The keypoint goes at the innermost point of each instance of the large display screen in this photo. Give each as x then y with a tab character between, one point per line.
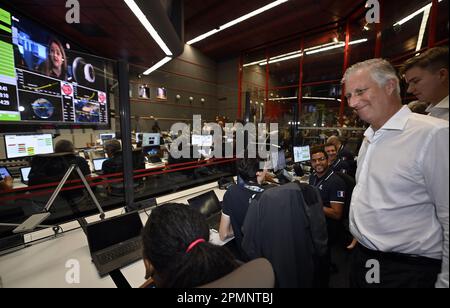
43	81
28	145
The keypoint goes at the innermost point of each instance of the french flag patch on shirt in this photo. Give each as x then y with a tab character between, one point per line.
341	194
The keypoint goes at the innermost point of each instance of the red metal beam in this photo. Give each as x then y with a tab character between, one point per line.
379	31
240	73
346	56
433	24
300	79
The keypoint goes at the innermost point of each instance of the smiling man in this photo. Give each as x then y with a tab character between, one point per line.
399	211
427	78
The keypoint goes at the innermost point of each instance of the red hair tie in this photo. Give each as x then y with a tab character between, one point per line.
194	243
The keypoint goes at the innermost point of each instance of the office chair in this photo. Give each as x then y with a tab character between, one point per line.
257	273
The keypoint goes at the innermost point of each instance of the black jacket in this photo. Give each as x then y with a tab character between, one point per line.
278	228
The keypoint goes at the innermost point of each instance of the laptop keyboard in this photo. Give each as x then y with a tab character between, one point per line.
119	251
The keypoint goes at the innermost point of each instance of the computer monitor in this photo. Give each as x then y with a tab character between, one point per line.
28	145
24	173
152	151
151	140
202	140
302	154
4	172
98	164
278	160
138	137
106	137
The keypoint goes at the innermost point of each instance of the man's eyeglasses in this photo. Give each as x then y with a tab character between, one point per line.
357	92
318	159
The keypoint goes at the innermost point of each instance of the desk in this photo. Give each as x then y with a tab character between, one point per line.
17	183
43	265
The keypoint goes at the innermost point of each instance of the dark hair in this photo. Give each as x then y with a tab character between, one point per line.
64	146
169	231
247	168
112	146
433	60
319	149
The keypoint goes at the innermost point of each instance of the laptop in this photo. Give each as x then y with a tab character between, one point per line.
24	173
116	242
209	205
98	164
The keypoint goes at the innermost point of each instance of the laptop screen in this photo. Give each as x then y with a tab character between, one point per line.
98	164
106	233
24	172
207	203
4	173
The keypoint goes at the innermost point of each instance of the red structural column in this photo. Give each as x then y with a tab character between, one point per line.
433	24
379	30
346	53
266	99
300	78
240	73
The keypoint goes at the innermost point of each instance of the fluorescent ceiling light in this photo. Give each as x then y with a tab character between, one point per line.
423	26
411	16
339	45
157	65
305	97
146	23
236	21
287	56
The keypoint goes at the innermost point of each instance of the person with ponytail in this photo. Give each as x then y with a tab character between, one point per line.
177	252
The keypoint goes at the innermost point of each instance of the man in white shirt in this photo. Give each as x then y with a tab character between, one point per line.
399	211
427	78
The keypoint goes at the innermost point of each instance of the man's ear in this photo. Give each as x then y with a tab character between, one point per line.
443	75
391	86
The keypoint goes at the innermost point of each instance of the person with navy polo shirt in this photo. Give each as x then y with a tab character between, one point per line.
332	190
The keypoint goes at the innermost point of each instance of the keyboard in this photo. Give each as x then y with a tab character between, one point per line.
118	251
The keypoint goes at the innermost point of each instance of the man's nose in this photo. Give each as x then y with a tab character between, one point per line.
410	88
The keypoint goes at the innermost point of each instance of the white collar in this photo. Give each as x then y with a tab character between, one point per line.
443	104
396	122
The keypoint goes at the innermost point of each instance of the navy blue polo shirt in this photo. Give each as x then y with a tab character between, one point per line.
331	187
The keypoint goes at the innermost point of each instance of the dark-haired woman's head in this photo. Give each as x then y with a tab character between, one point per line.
177	252
249	169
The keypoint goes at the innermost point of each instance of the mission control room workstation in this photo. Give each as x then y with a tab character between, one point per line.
105	260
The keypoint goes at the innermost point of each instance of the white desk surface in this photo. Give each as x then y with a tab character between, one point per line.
43	265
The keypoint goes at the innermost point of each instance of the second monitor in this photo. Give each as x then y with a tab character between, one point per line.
151	140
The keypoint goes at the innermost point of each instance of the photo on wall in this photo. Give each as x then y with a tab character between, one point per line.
161	94
144	91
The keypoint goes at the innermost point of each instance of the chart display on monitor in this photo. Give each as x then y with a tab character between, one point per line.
43	81
28	145
202	140
302	154
149	140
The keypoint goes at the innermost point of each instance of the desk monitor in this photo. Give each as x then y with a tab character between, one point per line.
98	164
152	151
138	137
4	172
151	140
24	173
28	145
105	137
207	203
302	154
202	140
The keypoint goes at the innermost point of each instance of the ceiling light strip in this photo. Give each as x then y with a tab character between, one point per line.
148	26
157	65
236	21
423	26
411	16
